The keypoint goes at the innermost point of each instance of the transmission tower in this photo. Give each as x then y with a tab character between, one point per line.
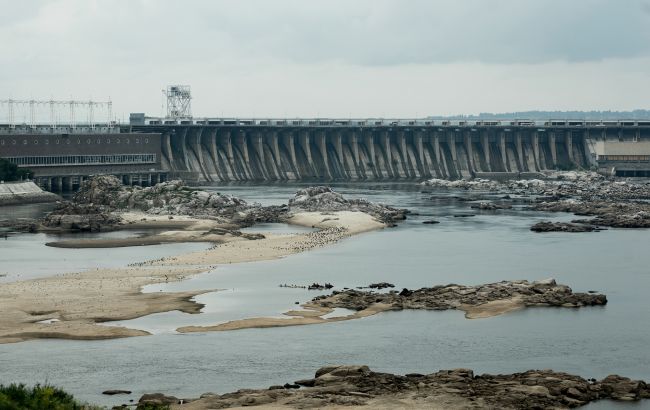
179	101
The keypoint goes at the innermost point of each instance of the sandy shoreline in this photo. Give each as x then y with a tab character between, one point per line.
79	301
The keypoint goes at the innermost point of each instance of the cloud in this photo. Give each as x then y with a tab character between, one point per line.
298	56
364	32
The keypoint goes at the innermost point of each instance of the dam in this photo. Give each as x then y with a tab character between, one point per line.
203	150
207	150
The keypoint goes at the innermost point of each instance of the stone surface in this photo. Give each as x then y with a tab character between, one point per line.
69	216
540	293
166	198
453	389
546	226
324	199
156	399
611	202
96	207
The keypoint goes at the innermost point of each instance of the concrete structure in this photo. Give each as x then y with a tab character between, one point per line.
248	149
61	161
623	155
17	193
205	150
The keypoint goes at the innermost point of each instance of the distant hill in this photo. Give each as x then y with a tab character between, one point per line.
560	115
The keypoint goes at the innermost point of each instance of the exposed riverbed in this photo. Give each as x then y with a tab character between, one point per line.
488	247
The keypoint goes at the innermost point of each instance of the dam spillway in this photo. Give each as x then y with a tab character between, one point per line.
253	151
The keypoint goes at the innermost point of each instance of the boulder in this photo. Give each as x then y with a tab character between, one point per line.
156	399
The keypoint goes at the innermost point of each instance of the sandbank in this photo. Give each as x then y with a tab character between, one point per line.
81	301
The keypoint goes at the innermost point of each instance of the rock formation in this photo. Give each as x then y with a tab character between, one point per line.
166	198
523	293
546	226
450	389
324	199
70	216
612	202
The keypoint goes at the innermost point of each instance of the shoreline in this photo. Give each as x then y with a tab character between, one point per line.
81	301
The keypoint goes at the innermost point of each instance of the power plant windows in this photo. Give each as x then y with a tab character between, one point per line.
84	159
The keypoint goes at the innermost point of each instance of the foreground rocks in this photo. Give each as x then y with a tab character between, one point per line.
449	389
517	293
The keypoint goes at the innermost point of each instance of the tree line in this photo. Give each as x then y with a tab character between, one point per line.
11	172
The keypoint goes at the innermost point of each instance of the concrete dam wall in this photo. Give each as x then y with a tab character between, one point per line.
204	153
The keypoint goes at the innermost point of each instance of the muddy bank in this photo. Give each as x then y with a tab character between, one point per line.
336	387
477	302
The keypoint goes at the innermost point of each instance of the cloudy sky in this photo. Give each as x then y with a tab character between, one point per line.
385	58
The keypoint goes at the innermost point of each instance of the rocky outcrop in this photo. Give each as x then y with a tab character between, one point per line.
546	226
606	213
166	198
324	199
613	202
451	389
81	217
175	198
539	293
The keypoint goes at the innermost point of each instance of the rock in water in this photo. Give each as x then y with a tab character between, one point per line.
324	199
540	293
561	227
70	216
431	222
114	392
165	198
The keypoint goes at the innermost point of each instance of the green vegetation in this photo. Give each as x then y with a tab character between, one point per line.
11	172
20	397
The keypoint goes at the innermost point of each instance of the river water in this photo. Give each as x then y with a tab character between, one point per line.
490	246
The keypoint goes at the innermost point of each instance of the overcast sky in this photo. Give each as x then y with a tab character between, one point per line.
385	58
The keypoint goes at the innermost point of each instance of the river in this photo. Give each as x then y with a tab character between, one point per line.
490	246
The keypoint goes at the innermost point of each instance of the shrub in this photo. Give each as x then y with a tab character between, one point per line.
20	397
11	172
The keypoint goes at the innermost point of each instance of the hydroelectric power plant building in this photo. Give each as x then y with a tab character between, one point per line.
61	158
149	150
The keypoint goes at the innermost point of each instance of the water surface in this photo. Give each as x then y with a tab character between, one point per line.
490	246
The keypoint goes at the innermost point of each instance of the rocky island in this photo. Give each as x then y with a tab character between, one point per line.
480	301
